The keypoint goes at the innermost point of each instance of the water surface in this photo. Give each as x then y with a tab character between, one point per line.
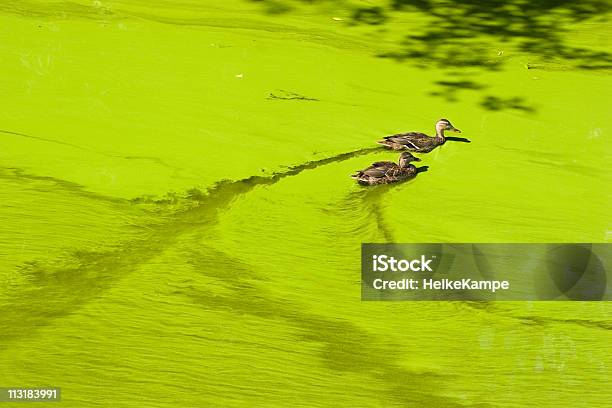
178	223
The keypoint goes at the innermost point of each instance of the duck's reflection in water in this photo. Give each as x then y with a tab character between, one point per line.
362	210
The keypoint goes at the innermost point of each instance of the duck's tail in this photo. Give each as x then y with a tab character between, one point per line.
389	144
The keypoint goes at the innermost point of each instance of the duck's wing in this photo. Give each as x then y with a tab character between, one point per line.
410	139
406	136
377	172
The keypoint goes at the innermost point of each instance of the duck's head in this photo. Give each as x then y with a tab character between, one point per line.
444	124
406	158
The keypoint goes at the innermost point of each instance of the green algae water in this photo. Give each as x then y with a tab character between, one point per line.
179	227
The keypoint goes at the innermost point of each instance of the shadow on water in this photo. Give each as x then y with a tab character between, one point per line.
457	139
465	36
365	205
422	169
535	28
493	103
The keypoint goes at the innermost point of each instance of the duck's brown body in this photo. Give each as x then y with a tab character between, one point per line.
419	142
413	142
387	172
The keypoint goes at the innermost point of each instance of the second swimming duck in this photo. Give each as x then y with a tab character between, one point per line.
388	172
419	142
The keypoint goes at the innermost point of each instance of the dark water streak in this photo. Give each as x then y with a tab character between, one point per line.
59	291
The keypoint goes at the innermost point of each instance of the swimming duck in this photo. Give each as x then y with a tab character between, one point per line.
419	142
385	172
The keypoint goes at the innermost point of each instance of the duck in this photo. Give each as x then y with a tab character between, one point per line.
419	142
385	172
